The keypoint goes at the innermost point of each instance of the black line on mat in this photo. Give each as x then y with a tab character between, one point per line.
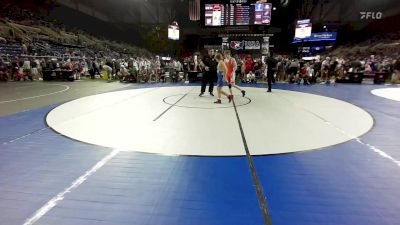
260	193
170	107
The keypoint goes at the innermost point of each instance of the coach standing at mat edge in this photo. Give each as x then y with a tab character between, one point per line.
210	73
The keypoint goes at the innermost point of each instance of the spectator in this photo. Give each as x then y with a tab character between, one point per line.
249	64
124	74
396	74
251	77
24	49
303	75
281	75
34	70
3	71
325	66
108	71
26	70
293	67
367	68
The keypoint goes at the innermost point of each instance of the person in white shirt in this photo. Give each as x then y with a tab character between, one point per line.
124	73
325	70
27	69
250	77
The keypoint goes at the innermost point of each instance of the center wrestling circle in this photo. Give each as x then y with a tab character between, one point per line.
206	102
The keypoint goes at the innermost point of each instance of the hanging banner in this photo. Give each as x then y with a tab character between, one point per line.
246	44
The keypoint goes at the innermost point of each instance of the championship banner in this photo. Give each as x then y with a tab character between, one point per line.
258	44
245	45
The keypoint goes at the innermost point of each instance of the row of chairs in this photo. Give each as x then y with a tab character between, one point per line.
164	77
173	77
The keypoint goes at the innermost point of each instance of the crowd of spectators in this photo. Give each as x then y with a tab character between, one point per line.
122	69
327	69
324	69
319	69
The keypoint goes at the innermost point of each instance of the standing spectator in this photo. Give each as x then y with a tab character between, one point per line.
249	64
68	65
34	70
84	66
396	74
280	73
3	71
316	68
257	68
117	65
24	49
239	72
292	69
27	69
96	68
29	48
77	69
242	68
333	68
325	70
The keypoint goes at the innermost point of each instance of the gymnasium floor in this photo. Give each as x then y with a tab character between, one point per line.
96	153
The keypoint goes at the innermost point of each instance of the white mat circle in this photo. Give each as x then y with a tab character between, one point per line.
389	93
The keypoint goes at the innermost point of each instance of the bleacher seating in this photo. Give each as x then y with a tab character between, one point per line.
10	49
58	50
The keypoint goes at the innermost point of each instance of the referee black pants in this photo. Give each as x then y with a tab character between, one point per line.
270	77
208	78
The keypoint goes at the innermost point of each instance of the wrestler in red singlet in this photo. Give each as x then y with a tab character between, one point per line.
229	72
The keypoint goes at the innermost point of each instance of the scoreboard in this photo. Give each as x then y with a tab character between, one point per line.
237	14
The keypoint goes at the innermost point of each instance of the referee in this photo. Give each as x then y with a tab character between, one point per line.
210	73
271	68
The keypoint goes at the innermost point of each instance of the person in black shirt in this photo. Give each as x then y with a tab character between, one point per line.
210	73
271	63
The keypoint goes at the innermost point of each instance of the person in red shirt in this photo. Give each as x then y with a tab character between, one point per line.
249	65
302	75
